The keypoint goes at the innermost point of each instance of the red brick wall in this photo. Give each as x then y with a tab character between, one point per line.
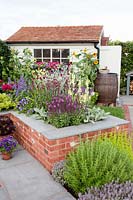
50	151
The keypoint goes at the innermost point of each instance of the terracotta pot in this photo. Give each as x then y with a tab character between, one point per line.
6	156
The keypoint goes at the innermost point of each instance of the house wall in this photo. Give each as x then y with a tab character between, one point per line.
110	56
73	47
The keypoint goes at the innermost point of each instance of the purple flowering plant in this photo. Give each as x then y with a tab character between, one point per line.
63	103
63	111
8	144
20	86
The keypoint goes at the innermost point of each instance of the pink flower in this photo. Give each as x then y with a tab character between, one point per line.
6	87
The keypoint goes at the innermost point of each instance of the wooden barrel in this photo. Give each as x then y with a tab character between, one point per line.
107	87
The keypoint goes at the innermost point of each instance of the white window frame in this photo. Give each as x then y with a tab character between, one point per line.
51	58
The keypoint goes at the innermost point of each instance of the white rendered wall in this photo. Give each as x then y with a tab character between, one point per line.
110	56
73	47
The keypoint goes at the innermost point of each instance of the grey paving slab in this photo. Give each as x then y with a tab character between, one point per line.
25	178
61	196
126	99
19	157
4	194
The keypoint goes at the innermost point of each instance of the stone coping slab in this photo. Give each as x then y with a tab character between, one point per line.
53	133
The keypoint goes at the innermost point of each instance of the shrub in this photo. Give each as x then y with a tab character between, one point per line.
6	102
122	141
111	191
6	125
95	163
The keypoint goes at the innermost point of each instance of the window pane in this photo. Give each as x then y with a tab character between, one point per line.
46	53
46	60
37	53
65	61
38	60
56	60
64	53
55	53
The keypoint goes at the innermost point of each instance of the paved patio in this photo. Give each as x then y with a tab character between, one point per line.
128	100
24	178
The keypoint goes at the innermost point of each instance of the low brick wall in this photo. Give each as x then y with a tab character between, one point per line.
48	151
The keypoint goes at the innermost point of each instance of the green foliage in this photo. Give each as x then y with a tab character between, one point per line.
40	113
22	65
93	99
115	111
126	61
83	74
95	114
85	69
6	102
40	95
122	141
95	163
66	119
5	69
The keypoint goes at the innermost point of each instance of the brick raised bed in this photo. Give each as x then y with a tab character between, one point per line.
49	144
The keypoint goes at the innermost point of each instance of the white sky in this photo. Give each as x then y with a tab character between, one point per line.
115	15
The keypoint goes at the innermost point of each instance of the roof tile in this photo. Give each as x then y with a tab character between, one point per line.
57	34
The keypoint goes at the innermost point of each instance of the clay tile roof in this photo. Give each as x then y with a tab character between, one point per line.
57	34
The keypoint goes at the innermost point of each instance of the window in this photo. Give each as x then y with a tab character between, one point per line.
55	55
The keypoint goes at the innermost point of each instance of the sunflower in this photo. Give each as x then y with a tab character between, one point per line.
95	62
85	50
94	54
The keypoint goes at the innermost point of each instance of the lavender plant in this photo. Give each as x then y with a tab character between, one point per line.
110	191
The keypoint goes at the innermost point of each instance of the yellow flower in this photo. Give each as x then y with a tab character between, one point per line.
74	53
95	62
85	50
94	54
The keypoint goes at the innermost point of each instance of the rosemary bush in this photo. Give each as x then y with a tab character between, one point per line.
95	163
